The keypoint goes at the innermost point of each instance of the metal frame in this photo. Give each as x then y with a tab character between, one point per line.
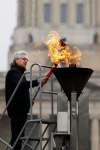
74	121
40	121
40	92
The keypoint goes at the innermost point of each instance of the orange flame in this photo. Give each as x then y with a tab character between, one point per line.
75	56
62	53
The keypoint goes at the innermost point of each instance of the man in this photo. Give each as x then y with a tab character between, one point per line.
20	103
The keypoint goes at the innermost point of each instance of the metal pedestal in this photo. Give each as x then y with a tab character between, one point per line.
74	134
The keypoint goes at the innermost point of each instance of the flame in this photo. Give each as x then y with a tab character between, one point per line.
53	46
75	57
59	52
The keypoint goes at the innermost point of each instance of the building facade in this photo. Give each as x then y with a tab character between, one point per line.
76	20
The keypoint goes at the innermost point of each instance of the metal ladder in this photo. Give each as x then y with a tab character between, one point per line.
42	140
37	122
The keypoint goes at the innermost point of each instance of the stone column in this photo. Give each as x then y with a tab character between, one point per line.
21	13
97	10
34	13
28	13
93	13
55	13
95	134
87	13
39	12
72	12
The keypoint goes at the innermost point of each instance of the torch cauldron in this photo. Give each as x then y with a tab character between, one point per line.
72	81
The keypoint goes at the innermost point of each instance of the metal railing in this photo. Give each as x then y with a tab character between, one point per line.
40	121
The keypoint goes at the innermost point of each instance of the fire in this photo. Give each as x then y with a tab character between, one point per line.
53	46
75	57
61	52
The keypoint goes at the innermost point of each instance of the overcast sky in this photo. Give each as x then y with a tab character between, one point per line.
7	25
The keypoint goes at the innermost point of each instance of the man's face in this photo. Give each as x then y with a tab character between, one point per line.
22	62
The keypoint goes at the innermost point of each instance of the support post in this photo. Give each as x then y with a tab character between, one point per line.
74	121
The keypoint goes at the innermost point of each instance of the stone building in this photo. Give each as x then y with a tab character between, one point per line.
76	20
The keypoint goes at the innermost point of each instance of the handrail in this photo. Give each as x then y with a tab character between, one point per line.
39	90
31	98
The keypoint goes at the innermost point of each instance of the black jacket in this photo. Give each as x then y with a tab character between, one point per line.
20	104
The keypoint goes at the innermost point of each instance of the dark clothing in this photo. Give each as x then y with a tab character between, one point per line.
16	126
20	104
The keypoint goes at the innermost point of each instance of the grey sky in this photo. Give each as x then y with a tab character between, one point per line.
7	25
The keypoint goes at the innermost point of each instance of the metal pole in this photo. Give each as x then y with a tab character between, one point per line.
52	97
4	142
31	98
74	122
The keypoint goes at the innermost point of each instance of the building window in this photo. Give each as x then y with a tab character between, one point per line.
63	13
47	12
79	13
